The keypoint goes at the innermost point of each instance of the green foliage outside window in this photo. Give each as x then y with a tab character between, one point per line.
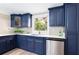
40	24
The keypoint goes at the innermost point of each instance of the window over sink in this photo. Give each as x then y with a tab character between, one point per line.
40	24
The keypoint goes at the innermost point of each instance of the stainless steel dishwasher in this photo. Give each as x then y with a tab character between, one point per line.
54	47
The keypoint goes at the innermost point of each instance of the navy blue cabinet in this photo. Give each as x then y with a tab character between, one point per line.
30	44
71	18
26	18
78	18
60	16
12	21
6	43
16	20
21	42
40	46
56	16
71	29
10	43
33	44
71	45
78	27
52	17
25	42
21	20
2	46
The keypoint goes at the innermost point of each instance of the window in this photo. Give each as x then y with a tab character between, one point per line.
40	24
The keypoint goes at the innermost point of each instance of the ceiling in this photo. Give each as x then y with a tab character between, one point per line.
21	8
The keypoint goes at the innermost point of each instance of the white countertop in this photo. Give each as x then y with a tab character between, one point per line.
6	34
37	35
49	36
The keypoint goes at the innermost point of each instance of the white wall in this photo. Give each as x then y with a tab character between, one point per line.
4	23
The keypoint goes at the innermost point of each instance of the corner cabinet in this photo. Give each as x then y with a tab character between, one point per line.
21	20
56	16
21	42
33	44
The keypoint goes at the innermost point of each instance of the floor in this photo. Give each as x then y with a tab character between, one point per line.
19	52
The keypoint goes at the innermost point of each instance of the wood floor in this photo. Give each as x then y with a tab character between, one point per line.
19	52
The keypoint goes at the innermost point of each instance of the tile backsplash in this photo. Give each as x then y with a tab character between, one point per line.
56	31
26	30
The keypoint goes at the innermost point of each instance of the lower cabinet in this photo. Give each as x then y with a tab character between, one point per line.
30	44
6	43
25	42
2	46
33	44
71	45
10	42
40	46
21	42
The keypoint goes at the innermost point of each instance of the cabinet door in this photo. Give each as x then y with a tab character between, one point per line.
2	47
78	44
7	45
78	27
40	46
21	42
30	44
12	44
78	18
24	42
60	16
71	18
12	20
53	17
25	19
16	20
71	45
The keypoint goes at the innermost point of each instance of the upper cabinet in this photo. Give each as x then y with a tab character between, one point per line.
15	20
52	17
71	18
26	20
21	20
56	16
